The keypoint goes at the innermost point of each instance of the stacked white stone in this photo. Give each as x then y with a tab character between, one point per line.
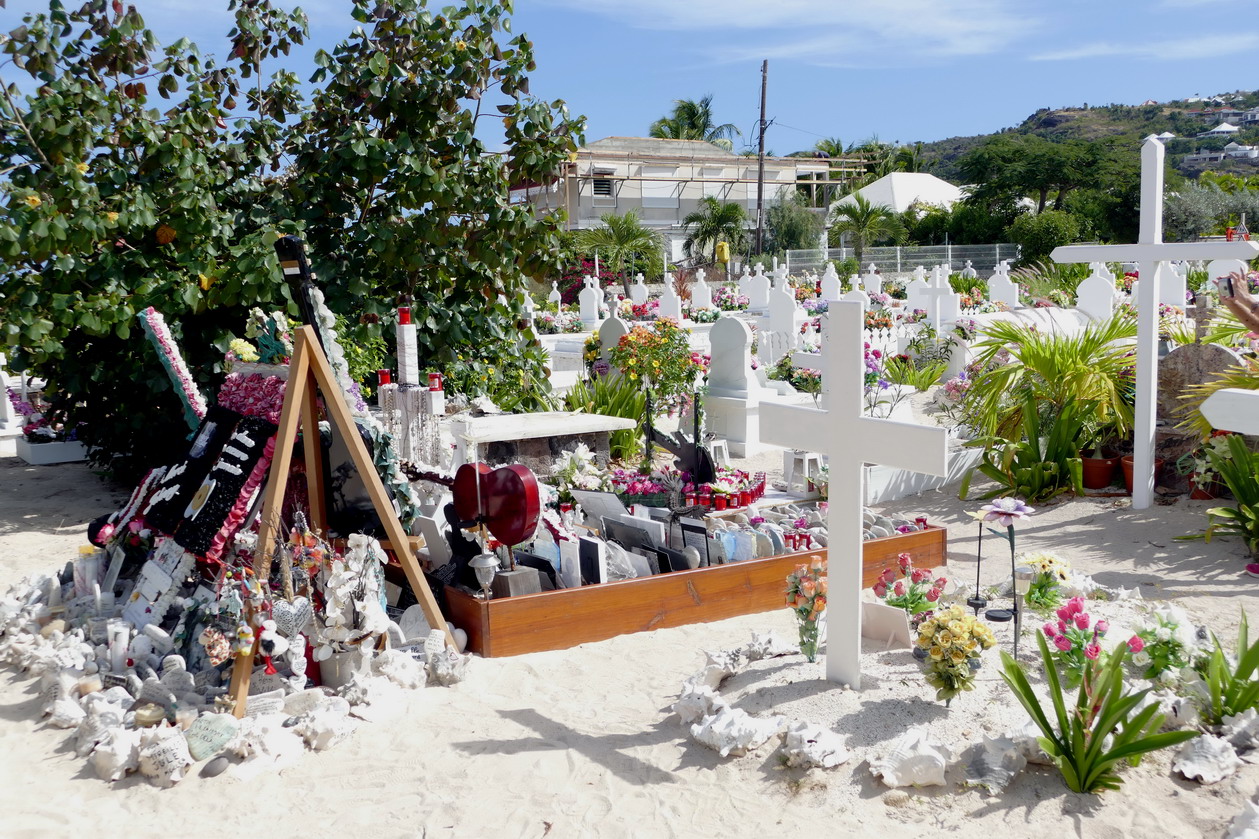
408	359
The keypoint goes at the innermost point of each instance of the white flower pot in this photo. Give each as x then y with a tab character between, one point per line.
43	454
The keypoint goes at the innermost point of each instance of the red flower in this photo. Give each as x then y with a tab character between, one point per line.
899	588
933	595
880	590
903	561
1092	651
1063	643
1050	630
1135	644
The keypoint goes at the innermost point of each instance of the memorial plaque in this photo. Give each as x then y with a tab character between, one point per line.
209	733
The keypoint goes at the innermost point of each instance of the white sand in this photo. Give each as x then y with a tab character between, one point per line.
580	743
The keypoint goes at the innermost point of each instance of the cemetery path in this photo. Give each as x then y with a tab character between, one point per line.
580	742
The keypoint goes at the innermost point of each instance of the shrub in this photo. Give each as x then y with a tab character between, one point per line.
1039	234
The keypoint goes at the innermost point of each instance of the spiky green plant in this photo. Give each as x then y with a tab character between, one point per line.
1230	690
613	396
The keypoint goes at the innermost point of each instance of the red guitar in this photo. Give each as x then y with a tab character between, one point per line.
505	500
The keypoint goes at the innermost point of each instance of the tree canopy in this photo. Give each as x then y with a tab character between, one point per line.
713	222
692	120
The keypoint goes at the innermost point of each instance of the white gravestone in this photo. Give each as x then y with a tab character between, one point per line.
10	422
1173	286
858	296
784	313
915	293
638	291
1001	289
943	305
756	288
969	271
701	294
588	303
1095	295
872	281
1221	268
555	296
849	441
670	303
732	402
611	331
920	273
1150	252
780	276
832	288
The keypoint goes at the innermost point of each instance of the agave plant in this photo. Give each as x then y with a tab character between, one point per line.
1239	470
1229	689
1034	467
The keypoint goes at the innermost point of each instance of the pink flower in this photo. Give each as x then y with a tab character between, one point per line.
1092	651
1064	614
921	575
1062	642
904	562
1082	620
1062	626
941	582
880	590
1050	630
1101	627
1075	605
1135	644
899	588
933	595
888	576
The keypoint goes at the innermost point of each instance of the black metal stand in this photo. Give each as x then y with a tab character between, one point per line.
977	601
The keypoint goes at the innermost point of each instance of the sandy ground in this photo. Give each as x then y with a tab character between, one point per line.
580	742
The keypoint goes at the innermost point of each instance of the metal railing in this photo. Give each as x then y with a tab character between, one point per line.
904	259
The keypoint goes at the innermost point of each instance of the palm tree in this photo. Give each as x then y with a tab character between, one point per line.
618	237
866	223
830	146
711	223
693	120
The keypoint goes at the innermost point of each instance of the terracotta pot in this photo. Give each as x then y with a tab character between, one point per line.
1205	492
1126	463
1099	472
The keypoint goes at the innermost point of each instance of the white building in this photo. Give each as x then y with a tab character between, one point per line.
663	181
900	190
1224	129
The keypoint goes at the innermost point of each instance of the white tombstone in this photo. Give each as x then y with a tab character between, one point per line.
969	271
1001	289
611	331
944	305
670	303
915	292
1151	253
1221	268
555	296
832	288
920	273
849	441
1174	287
780	274
858	296
701	294
785	314
588	303
1095	295
756	288
732	400
872	280
1102	270
638	291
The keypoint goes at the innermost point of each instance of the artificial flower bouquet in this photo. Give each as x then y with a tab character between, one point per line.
1050	570
913	589
953	642
806	596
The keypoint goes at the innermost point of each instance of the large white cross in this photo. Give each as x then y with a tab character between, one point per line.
849	440
1150	252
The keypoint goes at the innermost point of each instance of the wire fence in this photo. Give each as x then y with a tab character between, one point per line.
903	260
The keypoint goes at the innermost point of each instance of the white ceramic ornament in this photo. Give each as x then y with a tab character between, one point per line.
913	759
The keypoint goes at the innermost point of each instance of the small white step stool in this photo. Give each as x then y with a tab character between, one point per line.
798	466
718	444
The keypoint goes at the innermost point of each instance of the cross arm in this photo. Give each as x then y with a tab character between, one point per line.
1159	252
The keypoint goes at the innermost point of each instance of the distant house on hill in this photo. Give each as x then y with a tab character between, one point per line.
663	181
1224	129
900	190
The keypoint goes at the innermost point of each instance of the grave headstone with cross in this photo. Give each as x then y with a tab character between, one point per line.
555	296
780	276
588	303
701	294
1001	289
1151	253
784	312
756	287
915	298
832	288
1095	295
670	303
943	304
849	440
732	398
638	291
969	271
872	280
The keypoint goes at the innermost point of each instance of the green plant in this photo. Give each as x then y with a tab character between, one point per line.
1230	689
715	221
865	223
617	238
365	352
692	120
902	371
1023	468
613	396
1238	468
1039	234
1041	279
658	358
1076	738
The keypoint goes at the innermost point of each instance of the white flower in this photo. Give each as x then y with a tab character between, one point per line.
1166	678
1141	659
1163	633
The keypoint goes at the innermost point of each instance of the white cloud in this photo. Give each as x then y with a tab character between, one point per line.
1177	49
841	32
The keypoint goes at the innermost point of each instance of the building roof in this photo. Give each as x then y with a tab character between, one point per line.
658	146
1223	128
901	189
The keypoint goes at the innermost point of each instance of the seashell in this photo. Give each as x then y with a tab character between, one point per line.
1245	825
807	745
868	518
884	522
66	713
913	759
997	761
1242	730
733	731
117	754
305	701
447	668
89	684
728	660
324	728
819	539
93	729
767	645
877	532
399	668
696	702
1207	759
164	755
1027	741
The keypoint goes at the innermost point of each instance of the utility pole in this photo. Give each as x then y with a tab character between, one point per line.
760	164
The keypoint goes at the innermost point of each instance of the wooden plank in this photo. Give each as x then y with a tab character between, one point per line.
344	422
561	619
313	452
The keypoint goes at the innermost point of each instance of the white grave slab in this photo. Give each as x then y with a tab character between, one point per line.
850	441
701	294
1151	253
588	303
638	291
670	303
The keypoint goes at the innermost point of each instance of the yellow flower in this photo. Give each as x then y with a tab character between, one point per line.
928	627
112	218
957	628
461	45
924	640
959	656
33	200
633	376
82	167
944	638
936	653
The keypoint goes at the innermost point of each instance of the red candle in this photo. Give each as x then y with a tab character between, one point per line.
808	540
719	501
921	521
691	499
435	381
791	540
384	377
404	315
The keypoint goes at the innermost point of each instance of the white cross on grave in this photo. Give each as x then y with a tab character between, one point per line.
943	304
1233	409
849	440
1150	252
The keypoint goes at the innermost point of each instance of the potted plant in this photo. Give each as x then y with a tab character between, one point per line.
1098	460
1204	478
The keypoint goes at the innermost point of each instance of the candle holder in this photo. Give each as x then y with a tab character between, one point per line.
486	566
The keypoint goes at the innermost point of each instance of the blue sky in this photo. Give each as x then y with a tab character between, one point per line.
903	70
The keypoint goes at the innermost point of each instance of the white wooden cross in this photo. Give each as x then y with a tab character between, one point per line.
943	304
1233	409
1151	253
849	440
